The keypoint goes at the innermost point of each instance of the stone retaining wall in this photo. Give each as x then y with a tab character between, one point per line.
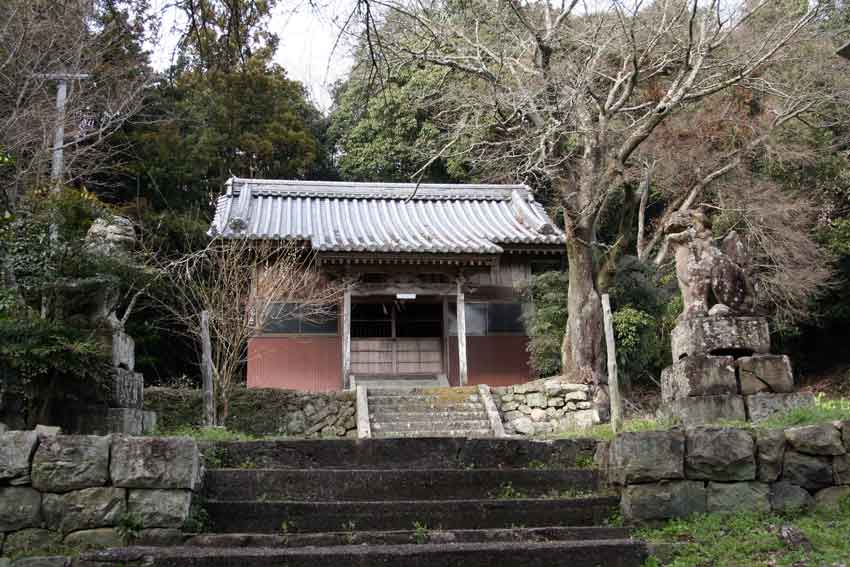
670	474
544	406
86	491
262	412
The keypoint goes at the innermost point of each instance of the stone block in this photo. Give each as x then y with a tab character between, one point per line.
3	428
770	445
43	561
721	454
841	469
829	499
70	462
738	497
535	400
821	439
29	539
154	462
810	472
99	421
523	425
98	538
663	500
720	335
16	450
149	422
765	372
47	430
788	498
704	410
85	509
126	389
160	508
764	405
845	434
699	375
20	507
647	457
538	414
580	419
159	536
576	396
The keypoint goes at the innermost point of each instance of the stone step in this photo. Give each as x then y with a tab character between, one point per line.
415	433
593	553
409	407
295	516
401	537
440	392
427	416
439	413
430	425
395	484
428	453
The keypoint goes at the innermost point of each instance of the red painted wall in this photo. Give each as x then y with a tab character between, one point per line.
312	363
492	360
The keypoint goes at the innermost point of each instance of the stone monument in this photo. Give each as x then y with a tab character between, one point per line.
722	368
124	411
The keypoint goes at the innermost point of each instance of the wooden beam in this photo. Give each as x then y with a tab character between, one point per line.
613	381
346	336
461	334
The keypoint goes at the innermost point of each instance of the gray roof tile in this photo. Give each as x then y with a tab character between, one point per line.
385	217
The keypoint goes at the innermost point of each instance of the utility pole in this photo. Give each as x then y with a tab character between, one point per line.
58	162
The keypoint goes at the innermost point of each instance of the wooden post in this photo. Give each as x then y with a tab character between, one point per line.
461	334
207	371
613	382
346	336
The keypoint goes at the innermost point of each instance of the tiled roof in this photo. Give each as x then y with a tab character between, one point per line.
385	217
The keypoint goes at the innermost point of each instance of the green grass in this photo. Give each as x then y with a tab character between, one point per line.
207	434
752	540
824	410
604	432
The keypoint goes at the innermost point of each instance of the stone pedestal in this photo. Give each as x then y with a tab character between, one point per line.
723	372
737	336
126	389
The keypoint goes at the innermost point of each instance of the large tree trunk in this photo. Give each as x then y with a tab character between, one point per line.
583	351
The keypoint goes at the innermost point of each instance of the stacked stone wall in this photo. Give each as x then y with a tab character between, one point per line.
262	412
89	491
544	406
677	473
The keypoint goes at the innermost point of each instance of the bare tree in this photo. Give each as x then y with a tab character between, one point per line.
570	93
40	39
242	285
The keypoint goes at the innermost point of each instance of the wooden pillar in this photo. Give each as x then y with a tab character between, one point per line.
346	337
461	334
207	371
613	382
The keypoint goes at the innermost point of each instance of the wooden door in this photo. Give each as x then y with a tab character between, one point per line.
396	356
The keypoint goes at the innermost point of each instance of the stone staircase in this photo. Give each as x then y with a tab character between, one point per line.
429	412
436	502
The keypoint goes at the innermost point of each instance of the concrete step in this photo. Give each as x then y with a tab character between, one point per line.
594	553
430	425
410	407
428	453
417	433
401	537
392	484
295	516
440	413
439	392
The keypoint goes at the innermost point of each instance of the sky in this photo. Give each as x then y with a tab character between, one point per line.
306	50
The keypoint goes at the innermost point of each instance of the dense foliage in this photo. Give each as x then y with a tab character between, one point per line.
644	306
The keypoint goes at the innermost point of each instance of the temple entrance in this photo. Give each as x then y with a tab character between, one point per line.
397	338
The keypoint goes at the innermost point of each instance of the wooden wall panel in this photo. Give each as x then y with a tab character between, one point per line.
312	363
493	360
